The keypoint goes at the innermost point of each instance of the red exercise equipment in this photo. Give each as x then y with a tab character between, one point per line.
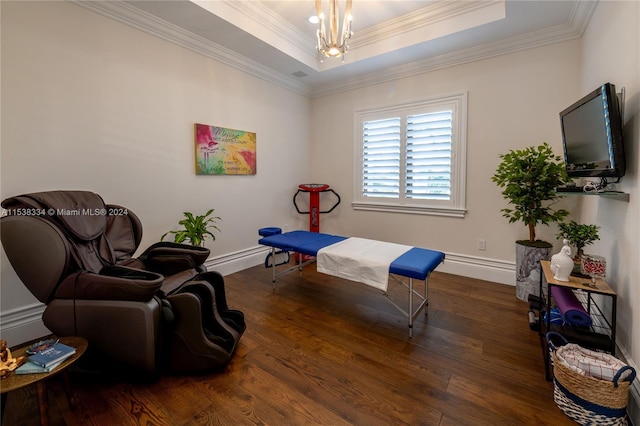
314	190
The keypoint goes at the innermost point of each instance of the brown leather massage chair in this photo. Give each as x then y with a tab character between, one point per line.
161	311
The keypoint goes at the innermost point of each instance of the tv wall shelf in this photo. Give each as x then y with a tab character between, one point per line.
601	335
615	195
622	196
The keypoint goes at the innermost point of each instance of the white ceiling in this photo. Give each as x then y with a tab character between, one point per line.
391	37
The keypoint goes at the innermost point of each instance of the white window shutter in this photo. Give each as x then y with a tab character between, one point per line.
411	157
428	156
381	158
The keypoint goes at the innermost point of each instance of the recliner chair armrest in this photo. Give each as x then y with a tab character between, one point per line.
122	331
168	258
112	283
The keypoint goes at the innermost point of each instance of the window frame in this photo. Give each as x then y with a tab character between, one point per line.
456	205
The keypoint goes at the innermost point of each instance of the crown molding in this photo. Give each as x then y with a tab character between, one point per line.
263	23
266	17
124	13
564	32
133	17
422	18
581	15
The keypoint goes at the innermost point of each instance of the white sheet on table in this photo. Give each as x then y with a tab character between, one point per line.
361	260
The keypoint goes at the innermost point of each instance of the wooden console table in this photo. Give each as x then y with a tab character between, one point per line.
18	381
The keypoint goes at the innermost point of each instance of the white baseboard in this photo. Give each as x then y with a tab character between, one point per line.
238	261
498	271
23	324
633	406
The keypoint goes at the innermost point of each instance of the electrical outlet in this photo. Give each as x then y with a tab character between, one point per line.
286	227
482	244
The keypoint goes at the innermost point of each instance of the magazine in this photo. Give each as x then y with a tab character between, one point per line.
31	368
52	355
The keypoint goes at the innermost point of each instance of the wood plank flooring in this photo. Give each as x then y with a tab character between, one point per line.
324	351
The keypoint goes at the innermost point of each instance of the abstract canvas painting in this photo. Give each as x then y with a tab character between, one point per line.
222	151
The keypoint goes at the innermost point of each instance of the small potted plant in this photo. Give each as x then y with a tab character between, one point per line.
195	229
529	178
579	235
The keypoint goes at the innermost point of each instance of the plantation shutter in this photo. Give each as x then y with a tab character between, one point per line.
428	156
381	159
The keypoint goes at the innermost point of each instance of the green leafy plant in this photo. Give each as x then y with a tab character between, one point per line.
529	178
579	235
195	228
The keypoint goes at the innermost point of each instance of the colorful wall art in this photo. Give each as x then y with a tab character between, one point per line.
222	151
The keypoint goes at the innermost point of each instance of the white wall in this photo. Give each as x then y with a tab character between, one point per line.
611	52
514	101
91	104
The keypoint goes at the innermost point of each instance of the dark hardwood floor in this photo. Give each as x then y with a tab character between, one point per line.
320	350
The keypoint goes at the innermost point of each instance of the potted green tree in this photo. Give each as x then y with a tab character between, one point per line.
195	228
529	178
579	235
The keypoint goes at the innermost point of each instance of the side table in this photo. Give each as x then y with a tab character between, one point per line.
601	335
18	381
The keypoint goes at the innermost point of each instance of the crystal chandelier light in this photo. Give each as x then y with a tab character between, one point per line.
329	44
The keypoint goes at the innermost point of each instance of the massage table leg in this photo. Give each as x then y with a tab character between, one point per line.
273	266
299	265
423	305
410	313
411	308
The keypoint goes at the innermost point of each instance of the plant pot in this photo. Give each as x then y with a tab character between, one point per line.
528	259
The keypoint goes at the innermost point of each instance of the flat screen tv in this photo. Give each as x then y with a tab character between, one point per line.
592	135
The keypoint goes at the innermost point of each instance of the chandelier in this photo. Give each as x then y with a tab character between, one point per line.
329	44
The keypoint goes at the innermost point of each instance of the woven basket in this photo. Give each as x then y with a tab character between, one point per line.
588	400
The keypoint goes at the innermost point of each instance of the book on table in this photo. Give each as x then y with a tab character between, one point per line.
52	355
31	368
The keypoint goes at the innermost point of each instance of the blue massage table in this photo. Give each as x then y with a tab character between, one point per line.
414	264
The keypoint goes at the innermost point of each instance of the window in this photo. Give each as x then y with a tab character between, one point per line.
411	158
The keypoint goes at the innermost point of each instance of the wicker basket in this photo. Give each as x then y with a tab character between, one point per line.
588	400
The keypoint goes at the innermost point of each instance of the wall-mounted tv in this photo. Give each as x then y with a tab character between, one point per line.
592	135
